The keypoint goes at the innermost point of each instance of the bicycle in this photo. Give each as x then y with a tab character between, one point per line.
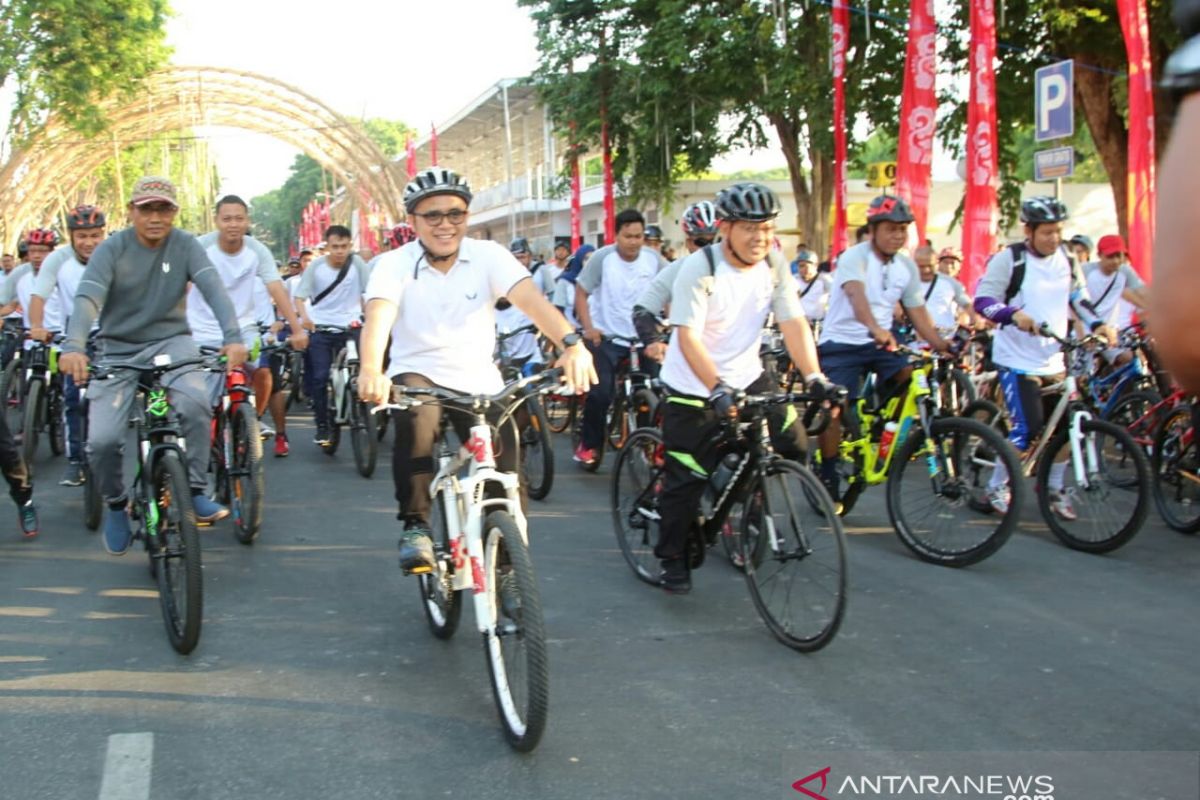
1176	468
93	503
345	409
793	561
161	500
236	460
44	404
1107	469
537	451
12	392
481	545
634	404
936	466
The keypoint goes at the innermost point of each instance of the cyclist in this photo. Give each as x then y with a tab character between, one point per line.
7	262
330	294
699	225
1117	290
947	300
1025	285
55	286
1080	246
815	286
610	283
654	238
564	289
436	298
719	304
949	262
17	290
136	282
856	338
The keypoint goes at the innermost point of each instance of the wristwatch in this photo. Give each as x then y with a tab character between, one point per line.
571	339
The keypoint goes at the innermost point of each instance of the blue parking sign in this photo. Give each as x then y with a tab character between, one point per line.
1054	101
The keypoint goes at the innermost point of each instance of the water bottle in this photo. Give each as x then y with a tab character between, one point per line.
885	443
724	471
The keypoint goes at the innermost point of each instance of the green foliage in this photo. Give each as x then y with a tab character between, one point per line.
1088	166
66	55
388	134
879	146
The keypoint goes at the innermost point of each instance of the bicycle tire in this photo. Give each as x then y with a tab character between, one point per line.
968	447
216	459
645	407
34	411
560	412
248	484
636	483
1177	498
957	392
381	425
440	601
56	422
1126	455
516	635
93	505
538	470
363	438
178	548
617	431
296	373
816	538
335	430
1129	409
12	396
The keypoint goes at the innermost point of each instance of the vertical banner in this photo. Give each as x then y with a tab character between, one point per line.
576	203
841	30
410	152
433	144
1139	182
610	209
979	211
918	114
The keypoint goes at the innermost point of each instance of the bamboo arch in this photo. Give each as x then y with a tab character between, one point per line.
57	160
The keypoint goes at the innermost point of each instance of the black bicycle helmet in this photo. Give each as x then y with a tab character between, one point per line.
1039	210
434	181
84	217
748	202
519	245
890	209
654	232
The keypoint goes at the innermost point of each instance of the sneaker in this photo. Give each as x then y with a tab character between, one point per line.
265	431
1062	506
281	446
29	519
117	533
585	455
208	510
999	498
72	474
674	577
322	437
416	549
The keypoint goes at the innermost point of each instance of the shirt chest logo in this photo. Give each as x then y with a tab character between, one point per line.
166	267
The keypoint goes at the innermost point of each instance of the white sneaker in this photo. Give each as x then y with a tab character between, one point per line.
999	498
1062	506
265	431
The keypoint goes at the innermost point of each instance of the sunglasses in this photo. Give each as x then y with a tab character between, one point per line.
435	218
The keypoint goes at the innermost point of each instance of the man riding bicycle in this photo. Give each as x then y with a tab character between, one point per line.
436	298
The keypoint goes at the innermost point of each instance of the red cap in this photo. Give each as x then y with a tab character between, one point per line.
1111	245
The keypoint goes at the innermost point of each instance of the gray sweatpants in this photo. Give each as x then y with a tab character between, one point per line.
111	404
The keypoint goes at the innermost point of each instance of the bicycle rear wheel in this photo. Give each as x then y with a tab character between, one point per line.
335	430
248	485
92	502
560	412
515	640
12	395
1110	509
35	405
794	556
936	492
363	437
56	422
1176	470
636	485
441	603
177	549
537	453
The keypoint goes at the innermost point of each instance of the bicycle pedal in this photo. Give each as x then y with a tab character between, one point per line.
417	571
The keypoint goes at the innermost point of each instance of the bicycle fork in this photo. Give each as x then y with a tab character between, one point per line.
1082	444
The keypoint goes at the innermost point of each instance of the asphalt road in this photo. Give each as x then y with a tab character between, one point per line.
316	675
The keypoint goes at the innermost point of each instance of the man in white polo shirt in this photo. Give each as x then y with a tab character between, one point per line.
436	298
605	294
1117	291
945	297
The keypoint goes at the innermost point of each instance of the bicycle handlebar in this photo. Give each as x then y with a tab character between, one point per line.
1070	344
405	397
531	328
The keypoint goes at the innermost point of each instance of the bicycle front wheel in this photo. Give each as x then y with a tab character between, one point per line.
177	550
515	639
560	412
12	395
637	483
1108	508
537	454
1176	470
937	492
363	437
248	487
35	404
442	604
794	556
335	430
56	421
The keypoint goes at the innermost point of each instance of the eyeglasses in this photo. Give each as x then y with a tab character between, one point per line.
435	218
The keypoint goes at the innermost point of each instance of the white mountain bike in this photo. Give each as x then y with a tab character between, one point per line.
481	546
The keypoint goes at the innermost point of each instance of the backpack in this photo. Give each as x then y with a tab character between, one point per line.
774	262
1018	251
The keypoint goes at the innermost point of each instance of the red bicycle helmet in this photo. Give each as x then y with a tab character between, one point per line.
889	208
43	236
402	234
84	217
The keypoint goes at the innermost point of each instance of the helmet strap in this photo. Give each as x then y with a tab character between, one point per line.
432	259
738	256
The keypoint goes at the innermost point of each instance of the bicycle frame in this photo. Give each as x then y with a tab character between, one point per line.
1070	400
912	405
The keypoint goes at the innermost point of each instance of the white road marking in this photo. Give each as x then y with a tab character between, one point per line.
127	767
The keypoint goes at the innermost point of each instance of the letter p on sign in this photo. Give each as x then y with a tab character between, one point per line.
1054	106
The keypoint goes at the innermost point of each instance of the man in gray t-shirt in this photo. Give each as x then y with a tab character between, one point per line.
136	282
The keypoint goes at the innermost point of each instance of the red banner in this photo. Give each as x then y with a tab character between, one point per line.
410	151
576	204
1139	183
433	144
979	211
610	208
918	114
841	32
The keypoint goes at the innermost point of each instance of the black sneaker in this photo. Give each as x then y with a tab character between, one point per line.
416	550
72	474
675	577
322	437
29	519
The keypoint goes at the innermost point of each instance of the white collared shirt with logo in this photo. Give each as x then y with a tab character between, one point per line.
614	285
445	325
897	280
1106	290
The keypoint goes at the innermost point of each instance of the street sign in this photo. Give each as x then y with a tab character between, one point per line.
881	174
1054	101
1049	165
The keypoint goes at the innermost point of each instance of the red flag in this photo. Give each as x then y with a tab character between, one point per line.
576	204
292	251
610	209
979	211
918	113
841	31
411	152
305	227
433	144
1139	182
324	216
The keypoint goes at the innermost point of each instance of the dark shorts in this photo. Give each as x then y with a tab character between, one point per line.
847	364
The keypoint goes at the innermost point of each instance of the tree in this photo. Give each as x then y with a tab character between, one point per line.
66	55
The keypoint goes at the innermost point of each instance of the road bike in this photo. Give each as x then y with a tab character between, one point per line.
481	547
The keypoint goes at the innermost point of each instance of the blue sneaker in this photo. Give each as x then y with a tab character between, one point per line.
208	510
117	533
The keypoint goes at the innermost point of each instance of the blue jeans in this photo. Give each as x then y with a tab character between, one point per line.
607	358
323	348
